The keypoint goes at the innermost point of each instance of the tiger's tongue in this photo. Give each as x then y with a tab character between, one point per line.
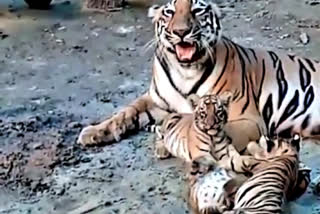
185	52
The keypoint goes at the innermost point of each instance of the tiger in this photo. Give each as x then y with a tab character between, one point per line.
274	180
209	188
276	176
190	136
274	93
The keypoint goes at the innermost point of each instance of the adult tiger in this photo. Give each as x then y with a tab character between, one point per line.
273	92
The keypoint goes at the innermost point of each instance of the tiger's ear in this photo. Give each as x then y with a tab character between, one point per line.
215	8
295	141
226	97
154	12
255	149
266	143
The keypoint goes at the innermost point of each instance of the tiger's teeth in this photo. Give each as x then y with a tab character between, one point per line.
185	52
212	132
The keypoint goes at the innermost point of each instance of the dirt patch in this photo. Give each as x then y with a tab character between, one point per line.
32	148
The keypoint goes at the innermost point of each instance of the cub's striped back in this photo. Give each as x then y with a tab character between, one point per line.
274	180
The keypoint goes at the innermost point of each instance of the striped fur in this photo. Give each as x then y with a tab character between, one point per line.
201	134
189	136
274	179
273	93
275	167
206	187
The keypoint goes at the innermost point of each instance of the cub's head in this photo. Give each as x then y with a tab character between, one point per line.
276	147
211	112
187	28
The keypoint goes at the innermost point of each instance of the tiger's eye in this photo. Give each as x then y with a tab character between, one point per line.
168	12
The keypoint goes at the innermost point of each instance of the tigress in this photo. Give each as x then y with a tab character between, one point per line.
275	178
273	93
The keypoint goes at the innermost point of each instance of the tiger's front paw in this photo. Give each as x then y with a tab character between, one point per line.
95	135
89	136
161	151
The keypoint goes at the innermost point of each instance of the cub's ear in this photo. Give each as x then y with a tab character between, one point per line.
266	143
255	149
295	141
154	12
226	97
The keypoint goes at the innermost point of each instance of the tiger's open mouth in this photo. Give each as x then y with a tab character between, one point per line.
185	51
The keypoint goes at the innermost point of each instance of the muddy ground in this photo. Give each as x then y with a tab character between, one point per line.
64	68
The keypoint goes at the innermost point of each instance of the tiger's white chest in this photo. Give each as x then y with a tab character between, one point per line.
175	84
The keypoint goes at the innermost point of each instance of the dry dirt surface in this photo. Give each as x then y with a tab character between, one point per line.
64	68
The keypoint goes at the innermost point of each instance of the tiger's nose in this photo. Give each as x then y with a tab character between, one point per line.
182	32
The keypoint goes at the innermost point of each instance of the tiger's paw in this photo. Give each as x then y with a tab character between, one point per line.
98	134
89	136
303	181
161	151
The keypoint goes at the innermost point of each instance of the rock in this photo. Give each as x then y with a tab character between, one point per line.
30	58
60	41
313	2
3	36
36	4
284	36
262	13
62	28
74	125
316	190
152	188
266	28
304	38
37	146
60	191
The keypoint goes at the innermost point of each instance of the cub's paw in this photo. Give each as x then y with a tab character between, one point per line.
202	165
160	150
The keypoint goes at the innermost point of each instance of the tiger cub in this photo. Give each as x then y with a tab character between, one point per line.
210	188
213	189
274	180
189	136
